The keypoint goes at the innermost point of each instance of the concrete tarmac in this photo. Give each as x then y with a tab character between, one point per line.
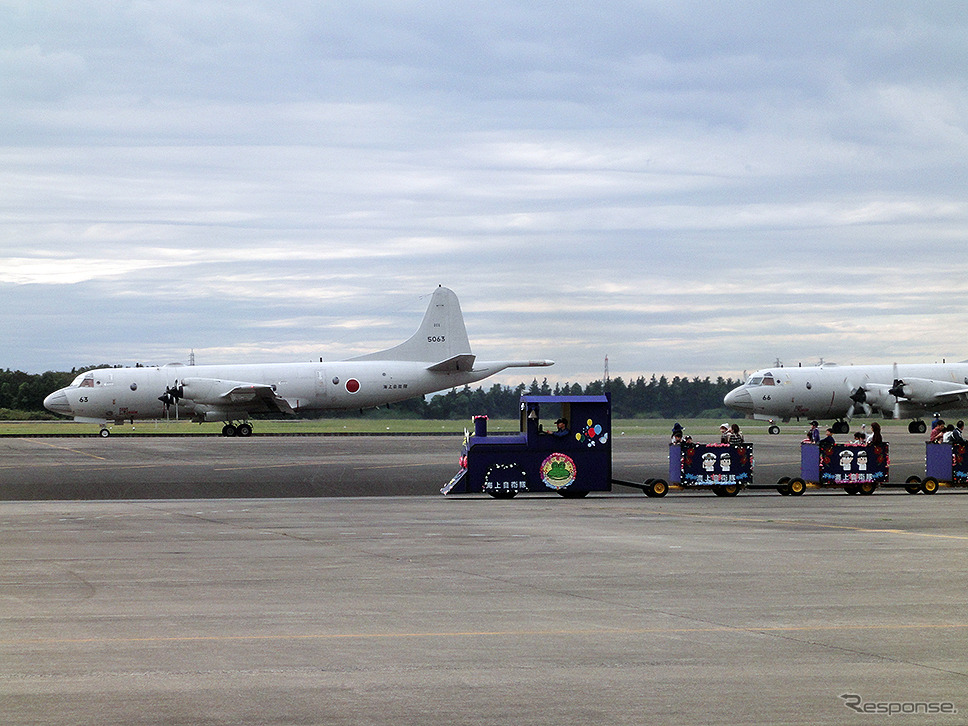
615	609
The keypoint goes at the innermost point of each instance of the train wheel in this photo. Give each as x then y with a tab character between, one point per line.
929	485
656	488
912	485
781	485
867	488
797	486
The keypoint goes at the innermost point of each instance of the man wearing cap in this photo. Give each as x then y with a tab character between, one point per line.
813	433
676	433
561	428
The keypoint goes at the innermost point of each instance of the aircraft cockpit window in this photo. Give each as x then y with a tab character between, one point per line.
756	381
85	380
768	380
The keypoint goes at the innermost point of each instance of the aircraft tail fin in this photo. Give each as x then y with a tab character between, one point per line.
440	339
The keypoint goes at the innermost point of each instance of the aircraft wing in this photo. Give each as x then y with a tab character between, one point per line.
950	396
249	397
929	391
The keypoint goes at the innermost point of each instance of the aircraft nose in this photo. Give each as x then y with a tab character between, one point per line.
57	402
739	399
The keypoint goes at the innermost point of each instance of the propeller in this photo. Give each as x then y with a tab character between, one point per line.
897	390
859	398
171	396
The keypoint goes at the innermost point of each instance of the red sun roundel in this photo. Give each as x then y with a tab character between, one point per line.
352	385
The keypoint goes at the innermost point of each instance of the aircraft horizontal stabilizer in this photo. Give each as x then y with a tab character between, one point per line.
454	363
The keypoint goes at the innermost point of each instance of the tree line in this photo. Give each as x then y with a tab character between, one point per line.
22	397
657	397
22	394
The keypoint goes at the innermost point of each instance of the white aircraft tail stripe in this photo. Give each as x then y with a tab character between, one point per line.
440	337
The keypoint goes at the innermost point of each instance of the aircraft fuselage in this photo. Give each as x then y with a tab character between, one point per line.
436	357
116	394
838	391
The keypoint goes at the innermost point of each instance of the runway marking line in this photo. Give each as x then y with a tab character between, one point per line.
313	463
797	523
257	466
491	633
65	448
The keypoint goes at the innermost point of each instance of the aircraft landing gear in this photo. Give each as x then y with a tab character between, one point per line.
840	427
242	429
917	427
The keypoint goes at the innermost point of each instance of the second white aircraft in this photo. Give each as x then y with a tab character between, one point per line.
437	357
840	392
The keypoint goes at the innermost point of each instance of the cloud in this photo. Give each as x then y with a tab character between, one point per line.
688	188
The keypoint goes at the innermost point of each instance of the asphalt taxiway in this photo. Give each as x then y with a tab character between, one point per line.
127	467
615	609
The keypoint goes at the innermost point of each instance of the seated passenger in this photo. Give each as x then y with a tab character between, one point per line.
676	435
958	435
948	435
735	435
813	433
937	433
875	435
829	439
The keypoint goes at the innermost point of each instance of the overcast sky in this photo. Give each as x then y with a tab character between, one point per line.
690	188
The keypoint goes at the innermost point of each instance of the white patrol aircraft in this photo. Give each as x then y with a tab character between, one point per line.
832	391
437	357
